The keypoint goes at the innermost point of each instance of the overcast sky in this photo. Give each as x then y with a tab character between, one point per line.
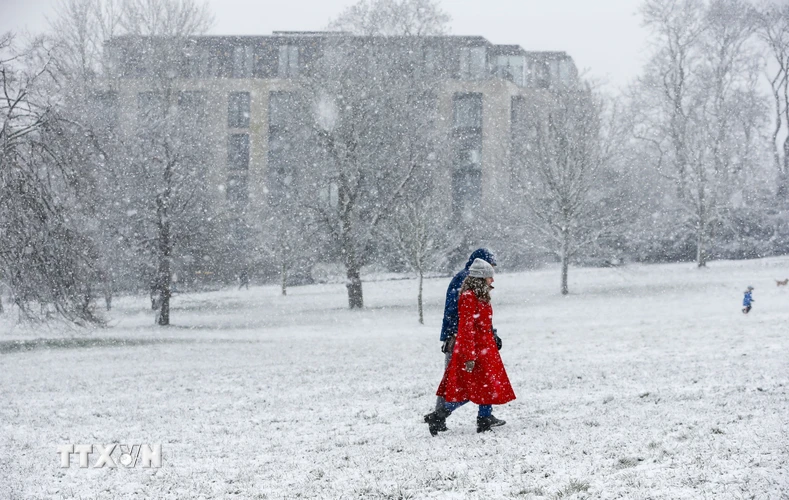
603	36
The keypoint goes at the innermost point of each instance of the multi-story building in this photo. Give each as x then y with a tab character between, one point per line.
237	87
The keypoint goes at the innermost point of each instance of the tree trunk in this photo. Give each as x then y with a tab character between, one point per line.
780	166
354	285
419	299
783	176
165	275
565	259
701	254
284	276
87	298
782	193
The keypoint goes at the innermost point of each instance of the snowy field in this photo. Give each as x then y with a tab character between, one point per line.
646	382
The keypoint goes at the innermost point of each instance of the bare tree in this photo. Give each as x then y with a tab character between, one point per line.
86	125
374	112
367	121
418	230
376	120
43	256
166	18
284	235
79	30
699	96
773	30
143	184
558	173
677	26
161	166
393	18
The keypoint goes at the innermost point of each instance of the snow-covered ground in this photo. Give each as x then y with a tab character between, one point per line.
645	382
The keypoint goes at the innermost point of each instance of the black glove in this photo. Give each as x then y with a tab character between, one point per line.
497	339
448	344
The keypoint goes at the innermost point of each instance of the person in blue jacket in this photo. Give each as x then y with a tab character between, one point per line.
746	301
449	328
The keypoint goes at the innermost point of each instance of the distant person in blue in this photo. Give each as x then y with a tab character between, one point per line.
747	300
449	329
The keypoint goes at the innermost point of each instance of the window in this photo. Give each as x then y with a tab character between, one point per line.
199	63
511	68
288	61
283	136
151	106
518	112
279	153
237	189
238	152
191	107
468	152
238	110
330	195
541	74
135	65
472	63
280	165
243	61
554	71
565	73
115	60
468	110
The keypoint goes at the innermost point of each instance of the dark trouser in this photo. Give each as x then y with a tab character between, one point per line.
483	411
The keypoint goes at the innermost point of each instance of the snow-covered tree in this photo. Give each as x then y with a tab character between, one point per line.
773	31
144	200
374	111
393	18
285	241
44	256
159	168
560	172
79	30
699	109
420	232
374	114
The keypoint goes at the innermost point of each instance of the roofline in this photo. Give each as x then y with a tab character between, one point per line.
468	40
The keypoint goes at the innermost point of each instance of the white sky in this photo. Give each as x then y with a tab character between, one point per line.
603	36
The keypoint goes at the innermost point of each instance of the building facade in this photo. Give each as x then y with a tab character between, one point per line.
238	90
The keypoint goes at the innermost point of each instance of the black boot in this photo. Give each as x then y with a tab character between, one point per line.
437	421
485	423
495	422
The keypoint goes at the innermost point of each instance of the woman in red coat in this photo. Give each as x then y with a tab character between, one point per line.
476	372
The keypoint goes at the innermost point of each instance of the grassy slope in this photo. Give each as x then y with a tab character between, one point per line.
646	382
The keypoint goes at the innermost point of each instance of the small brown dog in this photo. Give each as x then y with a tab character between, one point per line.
781	283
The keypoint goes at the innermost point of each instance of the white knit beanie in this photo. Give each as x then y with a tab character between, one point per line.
480	269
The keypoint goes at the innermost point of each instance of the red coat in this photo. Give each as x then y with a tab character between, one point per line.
487	384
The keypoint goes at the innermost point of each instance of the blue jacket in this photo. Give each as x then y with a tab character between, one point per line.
450	325
746	301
